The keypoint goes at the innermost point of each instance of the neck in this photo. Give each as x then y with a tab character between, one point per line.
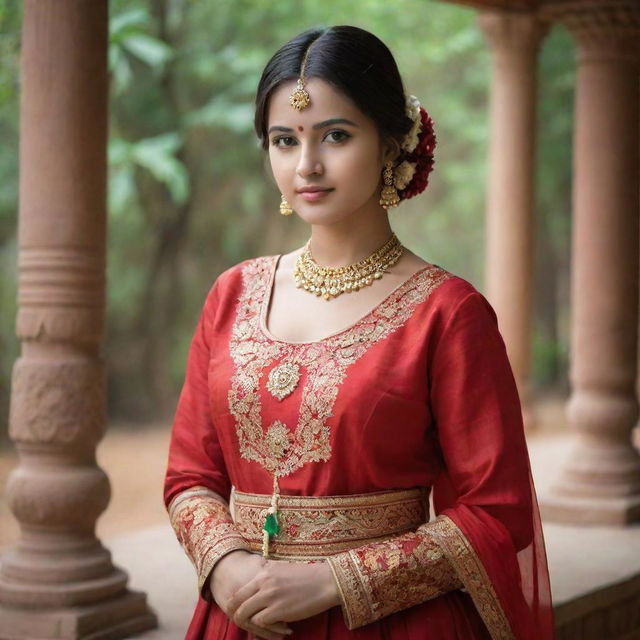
349	240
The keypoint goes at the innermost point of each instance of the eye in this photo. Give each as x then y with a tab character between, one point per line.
342	135
286	140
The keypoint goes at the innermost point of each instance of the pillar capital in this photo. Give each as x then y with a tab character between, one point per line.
509	32
602	30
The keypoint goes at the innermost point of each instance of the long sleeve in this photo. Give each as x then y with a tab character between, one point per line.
482	497
378	579
196	481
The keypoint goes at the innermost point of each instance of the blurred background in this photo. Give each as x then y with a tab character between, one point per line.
191	193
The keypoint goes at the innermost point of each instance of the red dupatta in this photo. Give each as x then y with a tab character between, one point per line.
502	543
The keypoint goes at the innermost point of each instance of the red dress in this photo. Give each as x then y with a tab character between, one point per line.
418	393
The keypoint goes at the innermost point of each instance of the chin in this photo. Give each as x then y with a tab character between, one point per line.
326	212
321	217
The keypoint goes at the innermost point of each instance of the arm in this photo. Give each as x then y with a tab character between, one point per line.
378	579
483	488
197	485
204	527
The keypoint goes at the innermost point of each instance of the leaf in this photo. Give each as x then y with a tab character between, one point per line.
156	155
120	71
153	52
125	23
122	191
221	113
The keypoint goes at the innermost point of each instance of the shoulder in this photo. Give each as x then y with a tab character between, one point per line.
456	297
230	281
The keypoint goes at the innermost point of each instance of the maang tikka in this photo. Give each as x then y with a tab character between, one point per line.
300	98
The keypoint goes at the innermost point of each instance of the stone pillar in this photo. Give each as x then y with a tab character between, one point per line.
600	481
59	581
514	39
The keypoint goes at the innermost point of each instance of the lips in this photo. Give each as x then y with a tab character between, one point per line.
313	189
311	194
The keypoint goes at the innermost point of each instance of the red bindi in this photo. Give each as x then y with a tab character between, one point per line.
300	128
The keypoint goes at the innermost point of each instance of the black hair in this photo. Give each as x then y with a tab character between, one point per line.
354	61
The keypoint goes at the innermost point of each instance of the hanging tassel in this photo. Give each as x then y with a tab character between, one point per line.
271	526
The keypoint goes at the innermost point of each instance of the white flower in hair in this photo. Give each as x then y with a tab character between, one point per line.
404	173
412	110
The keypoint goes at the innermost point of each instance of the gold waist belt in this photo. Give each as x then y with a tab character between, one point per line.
314	527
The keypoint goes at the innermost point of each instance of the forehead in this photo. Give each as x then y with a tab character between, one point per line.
326	102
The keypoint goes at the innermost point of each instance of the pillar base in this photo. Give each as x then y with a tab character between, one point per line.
590	511
113	619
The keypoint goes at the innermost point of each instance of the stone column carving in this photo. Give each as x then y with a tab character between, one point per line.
59	581
600	481
514	39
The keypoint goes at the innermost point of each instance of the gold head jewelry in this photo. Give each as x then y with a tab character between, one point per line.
300	98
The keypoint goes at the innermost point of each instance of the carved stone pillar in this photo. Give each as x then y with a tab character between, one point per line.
600	481
514	39
59	581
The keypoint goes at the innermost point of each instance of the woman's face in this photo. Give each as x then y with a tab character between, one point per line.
330	144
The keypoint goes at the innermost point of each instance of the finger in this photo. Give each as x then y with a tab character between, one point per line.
250	607
254	605
253	621
263	633
265	619
277	627
242	594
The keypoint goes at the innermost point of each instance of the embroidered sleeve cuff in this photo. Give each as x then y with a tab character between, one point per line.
473	575
205	529
378	579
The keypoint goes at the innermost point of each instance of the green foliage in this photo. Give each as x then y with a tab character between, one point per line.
10	20
157	156
189	194
128	39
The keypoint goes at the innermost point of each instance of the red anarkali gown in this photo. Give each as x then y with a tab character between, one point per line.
416	395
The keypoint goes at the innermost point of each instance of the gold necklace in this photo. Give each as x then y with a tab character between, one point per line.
330	282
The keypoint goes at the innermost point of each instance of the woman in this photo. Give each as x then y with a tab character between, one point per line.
331	391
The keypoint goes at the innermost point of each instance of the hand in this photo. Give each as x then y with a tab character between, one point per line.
284	592
230	574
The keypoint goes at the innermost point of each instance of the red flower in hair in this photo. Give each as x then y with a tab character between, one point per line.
422	156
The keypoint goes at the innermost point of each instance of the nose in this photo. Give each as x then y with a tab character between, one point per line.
309	163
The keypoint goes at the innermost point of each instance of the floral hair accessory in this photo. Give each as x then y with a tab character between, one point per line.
412	173
412	110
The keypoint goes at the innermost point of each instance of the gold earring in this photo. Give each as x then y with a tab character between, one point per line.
389	196
285	207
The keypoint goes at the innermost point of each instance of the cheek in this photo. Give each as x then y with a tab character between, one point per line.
360	169
280	168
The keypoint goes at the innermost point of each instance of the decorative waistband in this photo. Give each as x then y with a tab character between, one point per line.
314	527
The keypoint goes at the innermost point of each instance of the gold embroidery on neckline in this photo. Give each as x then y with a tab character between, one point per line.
325	362
283	379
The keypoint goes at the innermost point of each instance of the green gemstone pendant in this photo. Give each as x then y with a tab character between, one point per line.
271	525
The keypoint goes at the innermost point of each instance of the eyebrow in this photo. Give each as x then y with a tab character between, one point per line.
318	125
